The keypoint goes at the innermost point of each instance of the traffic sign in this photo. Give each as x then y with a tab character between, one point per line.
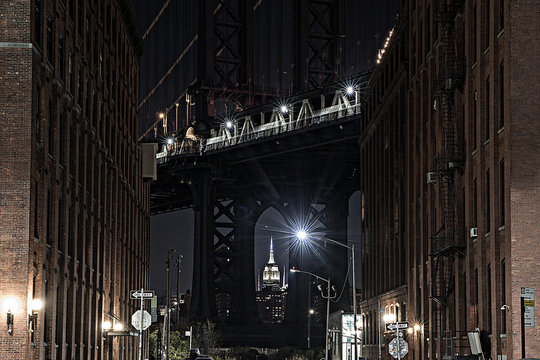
397	326
393	348
136	320
136	294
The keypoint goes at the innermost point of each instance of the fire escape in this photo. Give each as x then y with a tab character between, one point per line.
449	239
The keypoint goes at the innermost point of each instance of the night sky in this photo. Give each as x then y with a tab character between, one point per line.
367	24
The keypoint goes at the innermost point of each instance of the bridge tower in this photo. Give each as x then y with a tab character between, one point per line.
227	202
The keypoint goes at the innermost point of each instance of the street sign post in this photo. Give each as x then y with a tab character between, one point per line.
397	326
398	348
141	314
136	320
146	294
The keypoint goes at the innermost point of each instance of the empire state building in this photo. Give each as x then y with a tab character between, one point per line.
271	298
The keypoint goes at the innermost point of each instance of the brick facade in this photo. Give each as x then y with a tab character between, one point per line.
74	224
454	282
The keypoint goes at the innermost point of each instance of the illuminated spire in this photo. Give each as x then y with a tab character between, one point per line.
271	260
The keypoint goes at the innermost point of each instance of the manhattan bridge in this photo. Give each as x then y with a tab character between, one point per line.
293	150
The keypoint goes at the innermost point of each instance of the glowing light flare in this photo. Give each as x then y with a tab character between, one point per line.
11	305
118	327
416	327
350	90
229	124
284	109
106	325
301	235
389	318
161	115
36	305
169	141
410	330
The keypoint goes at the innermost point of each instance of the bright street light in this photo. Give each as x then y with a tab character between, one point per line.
327	297
350	90
169	141
284	109
302	235
229	124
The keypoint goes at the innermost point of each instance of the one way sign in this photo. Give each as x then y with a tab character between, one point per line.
397	326
136	294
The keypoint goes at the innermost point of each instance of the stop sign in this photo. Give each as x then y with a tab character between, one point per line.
136	320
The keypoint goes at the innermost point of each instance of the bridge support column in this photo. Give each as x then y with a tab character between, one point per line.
244	228
203	299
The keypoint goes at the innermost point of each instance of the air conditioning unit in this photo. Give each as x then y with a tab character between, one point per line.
474	232
431	178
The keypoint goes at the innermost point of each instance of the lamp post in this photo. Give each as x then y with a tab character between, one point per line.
302	235
327	297
310	314
168	314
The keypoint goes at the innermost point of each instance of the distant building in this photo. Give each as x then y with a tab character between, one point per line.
272	297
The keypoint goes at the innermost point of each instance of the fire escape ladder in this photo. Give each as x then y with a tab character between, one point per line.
448	241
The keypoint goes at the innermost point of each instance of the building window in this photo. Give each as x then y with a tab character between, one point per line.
501	15
501	192
80	10
37	23
63	139
51	129
503	296
475	120
488	120
475	34
38	115
36	210
71	5
49	217
463	291
489	299
79	87
475	204
50	55
60	222
61	65
46	309
475	295
488	22
501	96
70	72
488	203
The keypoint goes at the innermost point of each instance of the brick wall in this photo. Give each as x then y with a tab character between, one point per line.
15	157
523	30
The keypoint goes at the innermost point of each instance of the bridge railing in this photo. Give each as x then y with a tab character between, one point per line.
284	118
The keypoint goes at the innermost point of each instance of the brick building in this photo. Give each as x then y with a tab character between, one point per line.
451	179
74	212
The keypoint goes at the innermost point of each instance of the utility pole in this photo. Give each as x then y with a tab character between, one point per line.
178	261
168	314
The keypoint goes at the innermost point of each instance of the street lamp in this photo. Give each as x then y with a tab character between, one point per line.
303	235
327	297
310	314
